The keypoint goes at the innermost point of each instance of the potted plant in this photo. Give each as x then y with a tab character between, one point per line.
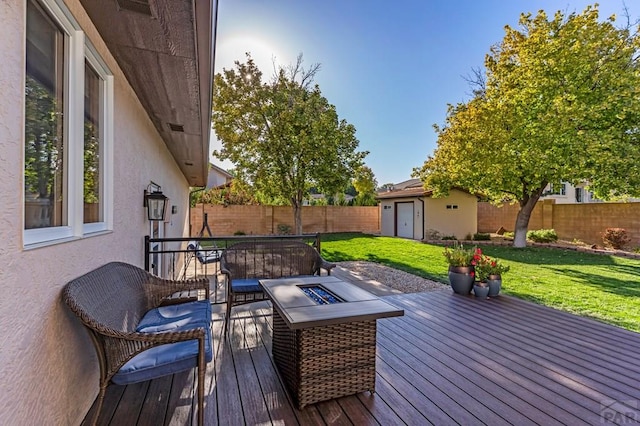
481	289
489	270
461	270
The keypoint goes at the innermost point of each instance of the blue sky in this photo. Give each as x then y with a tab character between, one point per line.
389	67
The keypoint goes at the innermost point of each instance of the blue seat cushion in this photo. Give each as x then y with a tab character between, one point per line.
246	285
163	360
252	285
172	317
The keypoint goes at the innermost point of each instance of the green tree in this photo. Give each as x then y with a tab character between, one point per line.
236	193
386	187
560	101
351	190
43	144
365	184
283	136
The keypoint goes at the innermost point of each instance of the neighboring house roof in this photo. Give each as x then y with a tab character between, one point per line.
218	177
166	50
220	170
406	189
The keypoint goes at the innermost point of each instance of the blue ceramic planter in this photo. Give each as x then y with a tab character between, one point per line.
495	285
461	279
481	291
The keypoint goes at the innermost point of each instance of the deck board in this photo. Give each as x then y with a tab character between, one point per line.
450	360
483	368
581	366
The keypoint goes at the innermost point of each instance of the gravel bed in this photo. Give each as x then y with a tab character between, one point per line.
391	277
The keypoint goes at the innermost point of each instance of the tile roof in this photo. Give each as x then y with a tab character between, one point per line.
406	189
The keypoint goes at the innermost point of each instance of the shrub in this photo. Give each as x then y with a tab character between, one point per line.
432	234
449	238
615	238
239	233
459	256
284	229
486	266
508	234
542	236
482	236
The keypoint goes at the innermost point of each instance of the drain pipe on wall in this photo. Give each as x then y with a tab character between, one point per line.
423	217
190	197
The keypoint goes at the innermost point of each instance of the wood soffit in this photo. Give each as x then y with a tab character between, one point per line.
166	50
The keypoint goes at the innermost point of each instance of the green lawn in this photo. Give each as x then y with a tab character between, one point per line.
602	287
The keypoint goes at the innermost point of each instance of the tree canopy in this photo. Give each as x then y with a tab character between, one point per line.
283	136
559	102
365	183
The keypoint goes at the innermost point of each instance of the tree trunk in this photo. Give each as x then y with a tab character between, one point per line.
297	218
522	221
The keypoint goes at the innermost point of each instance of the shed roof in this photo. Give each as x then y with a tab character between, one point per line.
406	189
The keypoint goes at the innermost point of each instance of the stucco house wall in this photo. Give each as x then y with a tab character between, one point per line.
47	364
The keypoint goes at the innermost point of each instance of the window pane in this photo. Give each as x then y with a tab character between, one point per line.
93	211
44	170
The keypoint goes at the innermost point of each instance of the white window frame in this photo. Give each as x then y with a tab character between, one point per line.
106	144
77	50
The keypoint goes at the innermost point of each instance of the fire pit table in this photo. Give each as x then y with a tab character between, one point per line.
324	336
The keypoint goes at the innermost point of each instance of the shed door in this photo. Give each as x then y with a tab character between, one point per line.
404	220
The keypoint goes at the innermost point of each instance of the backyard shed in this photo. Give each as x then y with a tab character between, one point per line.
407	210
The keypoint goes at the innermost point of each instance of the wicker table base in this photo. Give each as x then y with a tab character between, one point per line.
325	362
324	350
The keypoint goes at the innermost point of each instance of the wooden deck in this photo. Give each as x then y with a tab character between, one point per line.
450	360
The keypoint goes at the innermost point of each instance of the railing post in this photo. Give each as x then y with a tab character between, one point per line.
146	253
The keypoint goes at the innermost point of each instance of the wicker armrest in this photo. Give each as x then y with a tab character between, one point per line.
163	289
168	301
167	336
327	266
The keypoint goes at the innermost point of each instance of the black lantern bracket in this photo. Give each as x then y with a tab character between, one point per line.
155	202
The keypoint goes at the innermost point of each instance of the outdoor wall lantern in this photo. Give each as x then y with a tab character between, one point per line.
156	204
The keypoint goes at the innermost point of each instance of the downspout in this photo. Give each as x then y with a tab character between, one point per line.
190	197
423	217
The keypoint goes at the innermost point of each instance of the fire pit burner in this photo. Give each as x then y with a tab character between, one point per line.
320	295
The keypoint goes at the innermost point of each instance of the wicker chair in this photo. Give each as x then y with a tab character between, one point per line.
243	264
114	301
